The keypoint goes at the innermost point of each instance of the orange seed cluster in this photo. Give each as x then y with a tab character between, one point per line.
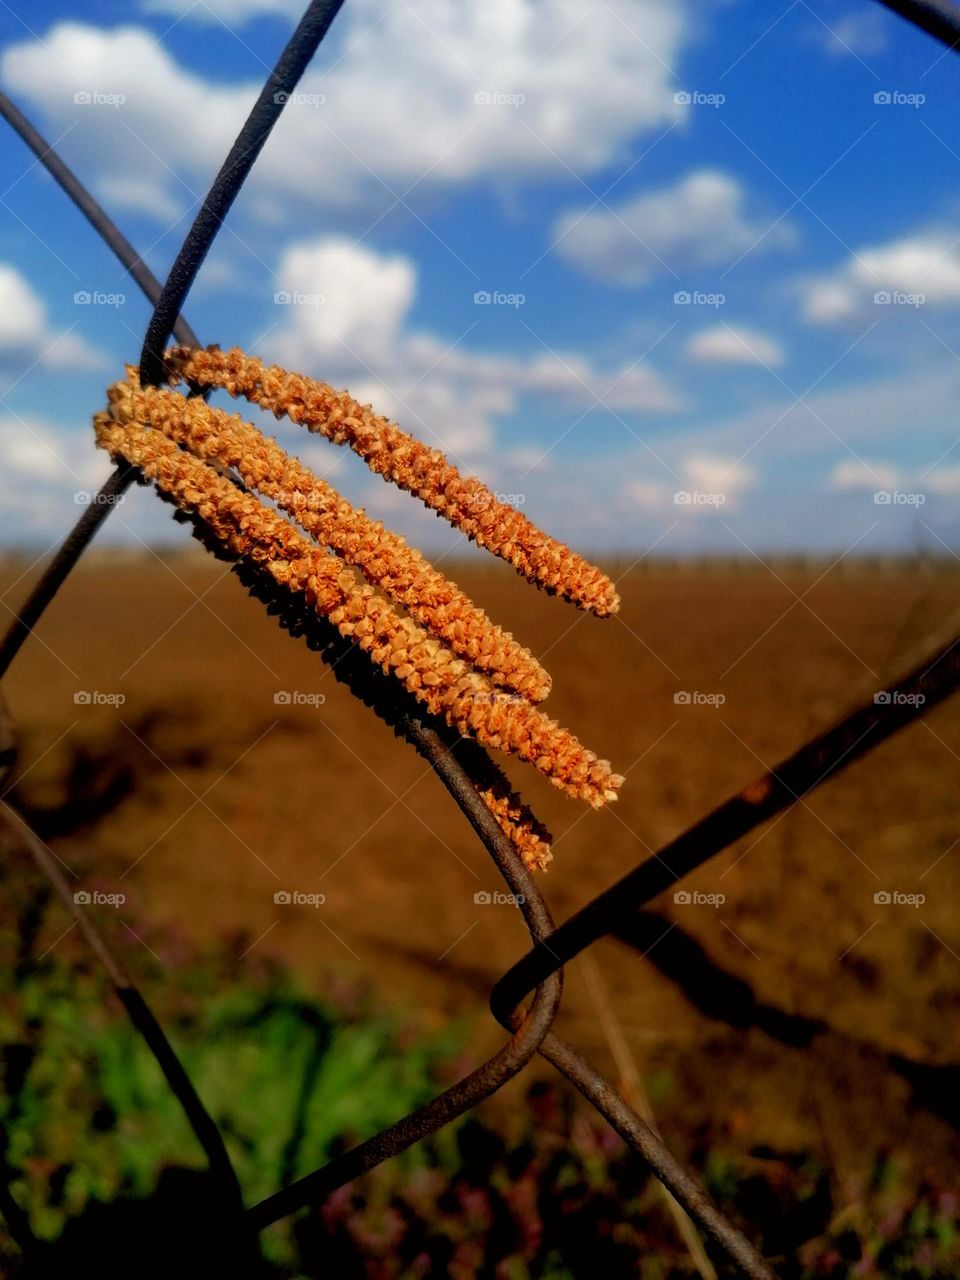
406	462
442	648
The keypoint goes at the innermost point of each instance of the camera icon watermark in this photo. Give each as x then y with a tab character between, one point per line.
94	898
894	898
897	98
494	98
297	298
98	298
696	98
95	98
694	898
694	698
497	898
694	498
296	898
95	698
698	298
298	99
497	298
898	298
296	698
895	698
85	498
898	498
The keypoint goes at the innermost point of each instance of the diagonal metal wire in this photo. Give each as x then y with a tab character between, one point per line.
541	968
281	82
939	18
889	711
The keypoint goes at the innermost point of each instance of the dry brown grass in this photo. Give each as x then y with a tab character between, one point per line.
323	799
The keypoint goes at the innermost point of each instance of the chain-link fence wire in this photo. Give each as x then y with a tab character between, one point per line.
457	763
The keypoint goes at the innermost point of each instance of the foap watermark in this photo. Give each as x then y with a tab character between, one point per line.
697	98
95	698
894	898
694	498
297	898
697	298
694	898
895	698
298	99
898	498
85	498
496	98
497	898
694	698
297	698
96	98
898	298
97	298
511	499
95	898
297	298
497	298
498	698
897	98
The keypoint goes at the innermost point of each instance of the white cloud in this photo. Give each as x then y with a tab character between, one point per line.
647	495
854	473
364	300
882	279
397	107
26	337
142	195
723	345
861	35
44	468
700	483
699	221
38	451
945	480
707	473
348	322
22	319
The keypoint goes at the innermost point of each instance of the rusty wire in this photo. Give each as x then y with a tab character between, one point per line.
539	972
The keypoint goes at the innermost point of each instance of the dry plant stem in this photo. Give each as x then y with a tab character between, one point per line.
634	1092
386	559
462	500
444	684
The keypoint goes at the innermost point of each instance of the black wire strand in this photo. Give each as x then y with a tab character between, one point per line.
167	299
250	141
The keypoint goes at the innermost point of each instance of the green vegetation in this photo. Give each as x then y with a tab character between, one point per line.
93	1139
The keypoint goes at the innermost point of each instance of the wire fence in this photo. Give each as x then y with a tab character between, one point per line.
537	976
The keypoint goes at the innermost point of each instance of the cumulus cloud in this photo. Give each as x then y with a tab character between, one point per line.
700	221
855	473
25	335
722	344
861	34
44	470
345	315
701	483
707	473
944	480
887	279
441	95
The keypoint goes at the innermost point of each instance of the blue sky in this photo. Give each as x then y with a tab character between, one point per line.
719	246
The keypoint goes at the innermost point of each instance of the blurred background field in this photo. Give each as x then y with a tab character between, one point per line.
799	1037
